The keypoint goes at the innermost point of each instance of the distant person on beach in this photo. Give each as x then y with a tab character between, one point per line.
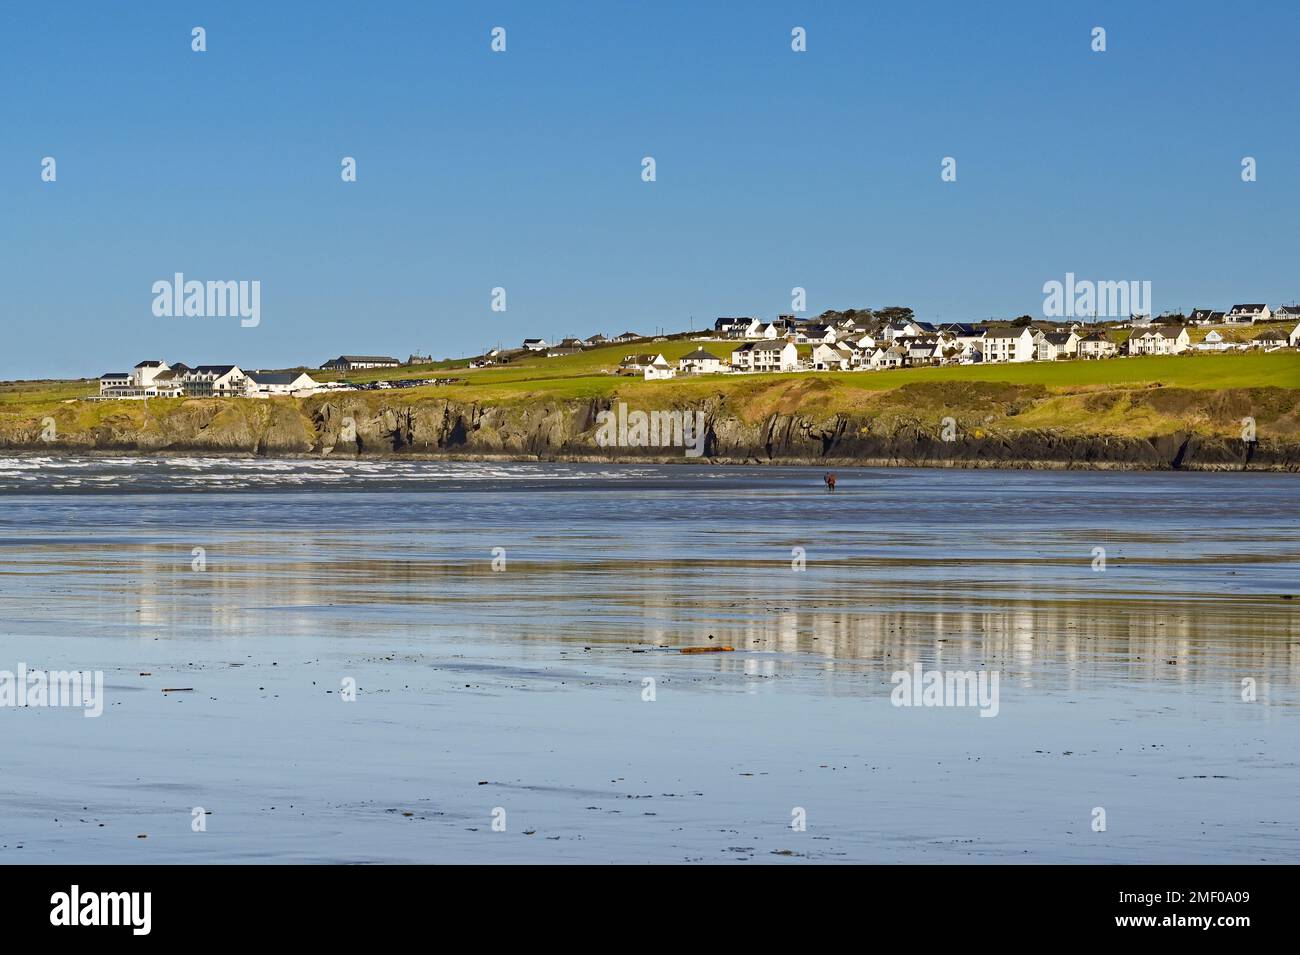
830	481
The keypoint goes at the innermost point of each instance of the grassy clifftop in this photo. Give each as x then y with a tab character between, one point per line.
538	406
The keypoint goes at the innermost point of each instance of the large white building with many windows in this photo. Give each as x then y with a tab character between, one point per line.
1010	344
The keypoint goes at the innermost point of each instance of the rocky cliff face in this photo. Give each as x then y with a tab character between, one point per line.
370	424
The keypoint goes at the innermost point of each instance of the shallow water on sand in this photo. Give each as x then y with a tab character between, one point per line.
523	689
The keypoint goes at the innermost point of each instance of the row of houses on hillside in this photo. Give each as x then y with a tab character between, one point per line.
158	379
569	346
1174	340
901	347
1245	314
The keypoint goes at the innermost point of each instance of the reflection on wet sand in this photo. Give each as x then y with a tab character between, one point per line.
256	587
524	685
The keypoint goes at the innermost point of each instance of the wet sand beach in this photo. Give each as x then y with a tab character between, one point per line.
523	688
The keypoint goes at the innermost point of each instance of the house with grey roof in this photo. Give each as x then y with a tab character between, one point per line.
1271	339
778	355
357	362
1011	344
1095	345
263	384
1248	314
699	362
1054	345
659	369
1160	340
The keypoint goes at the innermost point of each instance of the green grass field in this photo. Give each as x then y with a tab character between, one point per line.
592	374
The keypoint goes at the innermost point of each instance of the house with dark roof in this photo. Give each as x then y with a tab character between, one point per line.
636	362
267	383
1248	314
659	369
831	357
813	333
778	355
149	379
699	362
1159	340
117	381
1097	345
144	373
357	362
886	356
742	327
214	381
1054	345
1271	339
1011	344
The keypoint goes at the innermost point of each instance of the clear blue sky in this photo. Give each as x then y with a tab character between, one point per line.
523	169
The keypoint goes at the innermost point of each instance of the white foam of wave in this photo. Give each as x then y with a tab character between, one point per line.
201	472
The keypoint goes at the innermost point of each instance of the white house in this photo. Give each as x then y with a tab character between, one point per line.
905	328
536	344
856	350
812	334
1054	345
659	369
1270	340
354	362
831	357
1213	341
149	379
1294	337
265	383
1096	345
114	381
1248	314
966	339
700	362
1163	340
636	362
887	356
215	381
737	327
628	337
143	375
774	356
742	357
922	350
1286	313
1010	344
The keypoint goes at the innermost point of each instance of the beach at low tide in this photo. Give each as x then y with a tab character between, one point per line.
260	591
